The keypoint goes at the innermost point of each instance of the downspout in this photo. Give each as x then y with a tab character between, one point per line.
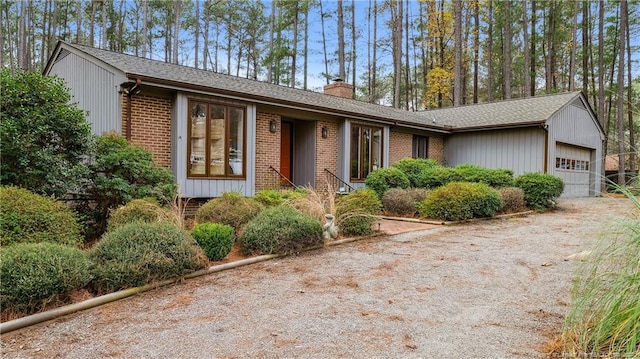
134	90
545	128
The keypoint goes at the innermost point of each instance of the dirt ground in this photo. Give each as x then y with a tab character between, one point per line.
486	289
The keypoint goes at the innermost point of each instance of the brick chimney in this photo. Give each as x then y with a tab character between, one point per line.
339	88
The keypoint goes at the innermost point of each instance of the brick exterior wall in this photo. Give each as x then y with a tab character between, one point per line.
326	152
400	146
267	150
151	125
436	149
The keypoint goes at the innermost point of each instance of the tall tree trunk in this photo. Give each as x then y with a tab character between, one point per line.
53	26
574	45
353	47
490	52
527	54
457	68
506	62
407	66
532	71
272	30
620	98
294	53
121	40
397	54
176	30
341	69
324	45
145	25
601	74
92	24
196	37
103	43
373	91
632	141
205	35
305	64
23	38
476	48
585	47
78	21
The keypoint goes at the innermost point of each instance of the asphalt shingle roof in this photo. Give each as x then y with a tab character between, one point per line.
188	77
526	111
522	111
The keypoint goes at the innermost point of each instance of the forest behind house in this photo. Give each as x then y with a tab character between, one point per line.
408	54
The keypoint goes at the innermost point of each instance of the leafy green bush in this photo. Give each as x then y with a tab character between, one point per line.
280	229
123	172
382	179
437	177
215	239
232	209
139	210
459	201
540	189
272	198
403	202
44	136
26	217
355	212
413	168
496	178
36	274
513	199
140	253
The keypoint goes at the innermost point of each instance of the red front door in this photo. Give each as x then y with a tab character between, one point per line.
285	150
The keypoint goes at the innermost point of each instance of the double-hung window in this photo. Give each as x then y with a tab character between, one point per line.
420	147
366	151
216	140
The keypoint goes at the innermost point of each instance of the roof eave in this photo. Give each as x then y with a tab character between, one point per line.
177	85
540	124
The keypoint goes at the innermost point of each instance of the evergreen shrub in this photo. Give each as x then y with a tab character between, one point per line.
382	179
459	201
231	208
540	189
215	239
355	212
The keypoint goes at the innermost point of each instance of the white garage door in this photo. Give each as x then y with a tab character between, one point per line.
573	165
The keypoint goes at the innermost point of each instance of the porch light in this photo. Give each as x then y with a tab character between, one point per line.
325	132
273	126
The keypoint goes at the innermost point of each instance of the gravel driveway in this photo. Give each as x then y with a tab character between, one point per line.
478	290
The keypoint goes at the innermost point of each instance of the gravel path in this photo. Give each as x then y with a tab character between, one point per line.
478	290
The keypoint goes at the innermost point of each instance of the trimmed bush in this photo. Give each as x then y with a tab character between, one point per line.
26	217
215	239
540	189
382	179
139	210
403	202
513	199
438	177
272	198
413	168
459	201
281	230
140	253
355	212
36	274
496	178
232	209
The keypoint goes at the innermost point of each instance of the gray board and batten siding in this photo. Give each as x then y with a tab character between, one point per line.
93	86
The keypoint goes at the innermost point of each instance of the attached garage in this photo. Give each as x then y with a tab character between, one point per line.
556	134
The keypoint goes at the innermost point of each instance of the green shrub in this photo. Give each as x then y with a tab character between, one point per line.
215	239
355	212
140	253
413	168
437	177
382	179
403	202
122	172
496	178
272	198
44	135
26	217
36	274
513	199
459	201
232	209
540	189
139	210
282	230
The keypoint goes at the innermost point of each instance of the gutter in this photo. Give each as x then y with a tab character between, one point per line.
130	90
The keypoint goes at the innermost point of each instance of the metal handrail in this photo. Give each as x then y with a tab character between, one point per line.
283	177
337	180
